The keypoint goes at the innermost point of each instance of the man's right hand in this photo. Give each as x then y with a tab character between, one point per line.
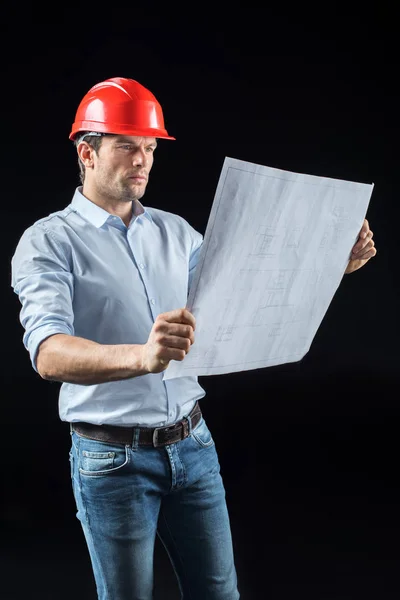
170	339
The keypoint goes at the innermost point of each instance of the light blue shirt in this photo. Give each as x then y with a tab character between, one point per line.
80	271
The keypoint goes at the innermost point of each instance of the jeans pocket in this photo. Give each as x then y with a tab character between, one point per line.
106	461
202	435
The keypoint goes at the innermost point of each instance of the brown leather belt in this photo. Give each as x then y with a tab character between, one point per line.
145	436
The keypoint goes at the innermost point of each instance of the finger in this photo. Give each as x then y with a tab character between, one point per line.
165	328
364	229
366	255
172	341
183	331
172	354
357	251
180	315
362	243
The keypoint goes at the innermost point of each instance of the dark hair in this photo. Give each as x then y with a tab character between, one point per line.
94	141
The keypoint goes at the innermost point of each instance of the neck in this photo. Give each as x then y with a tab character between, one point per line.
122	209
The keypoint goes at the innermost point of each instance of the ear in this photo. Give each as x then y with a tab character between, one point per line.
85	153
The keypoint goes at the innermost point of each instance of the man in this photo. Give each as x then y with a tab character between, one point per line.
103	285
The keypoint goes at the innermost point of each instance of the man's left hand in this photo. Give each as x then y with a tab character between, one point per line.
363	250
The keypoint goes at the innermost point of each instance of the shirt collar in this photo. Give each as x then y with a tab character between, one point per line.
97	215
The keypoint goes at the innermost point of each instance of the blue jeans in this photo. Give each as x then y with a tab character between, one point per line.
125	495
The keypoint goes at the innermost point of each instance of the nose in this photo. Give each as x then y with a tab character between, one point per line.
139	157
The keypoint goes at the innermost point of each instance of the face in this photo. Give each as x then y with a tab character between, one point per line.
120	170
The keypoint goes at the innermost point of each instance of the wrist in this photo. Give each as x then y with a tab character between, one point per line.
143	366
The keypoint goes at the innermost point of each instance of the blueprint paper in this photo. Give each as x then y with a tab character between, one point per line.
275	250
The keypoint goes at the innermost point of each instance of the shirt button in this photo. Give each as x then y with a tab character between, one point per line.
141	265
152	301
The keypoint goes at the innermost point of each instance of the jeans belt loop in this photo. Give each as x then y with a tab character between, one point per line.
135	438
186	426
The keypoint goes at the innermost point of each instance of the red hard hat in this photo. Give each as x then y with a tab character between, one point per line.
120	106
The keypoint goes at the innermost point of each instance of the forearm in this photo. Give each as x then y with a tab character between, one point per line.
73	359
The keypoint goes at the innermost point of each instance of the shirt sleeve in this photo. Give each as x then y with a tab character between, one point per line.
42	278
194	255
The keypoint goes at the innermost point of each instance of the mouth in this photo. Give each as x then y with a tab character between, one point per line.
138	180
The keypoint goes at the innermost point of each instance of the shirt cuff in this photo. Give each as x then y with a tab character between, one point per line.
38	336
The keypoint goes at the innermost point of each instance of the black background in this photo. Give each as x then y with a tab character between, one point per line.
309	451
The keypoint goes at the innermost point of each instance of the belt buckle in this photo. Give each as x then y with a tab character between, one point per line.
155	437
169	431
